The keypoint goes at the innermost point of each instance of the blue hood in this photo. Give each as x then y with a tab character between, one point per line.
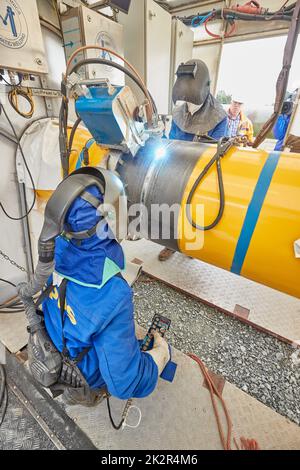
94	261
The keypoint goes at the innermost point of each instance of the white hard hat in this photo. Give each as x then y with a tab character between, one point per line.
238	98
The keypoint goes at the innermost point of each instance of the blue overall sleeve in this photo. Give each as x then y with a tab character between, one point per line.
280	129
281	126
177	134
127	372
219	131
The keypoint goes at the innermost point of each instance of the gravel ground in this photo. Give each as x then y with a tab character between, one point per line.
257	363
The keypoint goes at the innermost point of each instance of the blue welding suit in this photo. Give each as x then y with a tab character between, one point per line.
216	133
280	130
98	310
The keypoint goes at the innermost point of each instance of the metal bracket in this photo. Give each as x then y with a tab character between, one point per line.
49	109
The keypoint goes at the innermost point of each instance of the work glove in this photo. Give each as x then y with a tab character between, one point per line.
160	352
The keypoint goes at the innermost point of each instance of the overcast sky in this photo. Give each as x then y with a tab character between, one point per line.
251	69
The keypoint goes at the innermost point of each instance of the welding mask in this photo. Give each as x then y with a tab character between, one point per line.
192	84
196	112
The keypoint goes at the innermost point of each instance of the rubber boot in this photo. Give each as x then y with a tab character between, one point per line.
84	396
165	254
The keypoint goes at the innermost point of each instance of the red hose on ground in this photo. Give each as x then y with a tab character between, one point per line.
246	444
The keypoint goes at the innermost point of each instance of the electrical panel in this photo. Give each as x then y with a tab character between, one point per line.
21	42
84	27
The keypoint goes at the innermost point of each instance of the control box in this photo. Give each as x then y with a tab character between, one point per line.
21	41
84	27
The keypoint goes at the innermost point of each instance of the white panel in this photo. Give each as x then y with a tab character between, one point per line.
105	33
182	50
134	35
210	54
84	27
21	42
295	127
158	50
11	238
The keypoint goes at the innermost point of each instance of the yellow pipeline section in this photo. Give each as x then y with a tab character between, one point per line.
82	139
255	237
261	221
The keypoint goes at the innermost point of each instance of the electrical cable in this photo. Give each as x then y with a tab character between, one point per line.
217	36
223	146
201	18
114	65
13	99
284	14
8	137
73	132
27	169
63	116
8	282
3	394
12	84
117	427
129	65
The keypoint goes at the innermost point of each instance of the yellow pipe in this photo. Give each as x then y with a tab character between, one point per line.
259	187
261	221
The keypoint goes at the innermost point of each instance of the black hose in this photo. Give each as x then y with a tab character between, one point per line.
9	137
117	427
285	15
221	191
27	169
114	65
3	394
223	147
8	282
73	132
65	149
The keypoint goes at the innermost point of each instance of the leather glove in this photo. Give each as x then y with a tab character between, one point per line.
160	352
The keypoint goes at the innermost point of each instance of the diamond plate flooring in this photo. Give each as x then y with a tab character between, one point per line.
269	309
179	416
19	430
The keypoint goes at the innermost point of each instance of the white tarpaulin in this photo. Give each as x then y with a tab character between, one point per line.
40	145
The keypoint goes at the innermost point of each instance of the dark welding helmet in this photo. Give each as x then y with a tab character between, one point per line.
193	83
287	107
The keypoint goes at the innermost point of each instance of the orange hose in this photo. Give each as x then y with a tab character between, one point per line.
217	36
246	444
110	51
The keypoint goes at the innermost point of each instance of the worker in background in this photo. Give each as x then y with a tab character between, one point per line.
238	124
282	124
98	312
197	115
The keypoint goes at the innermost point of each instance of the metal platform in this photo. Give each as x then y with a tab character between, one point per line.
265	308
179	416
33	420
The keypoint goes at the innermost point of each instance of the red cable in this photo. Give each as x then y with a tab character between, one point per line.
246	444
217	36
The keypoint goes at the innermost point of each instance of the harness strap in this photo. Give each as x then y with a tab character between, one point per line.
62	301
44	295
84	235
65	352
88	197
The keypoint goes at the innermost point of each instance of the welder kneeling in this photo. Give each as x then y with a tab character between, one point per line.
84	343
